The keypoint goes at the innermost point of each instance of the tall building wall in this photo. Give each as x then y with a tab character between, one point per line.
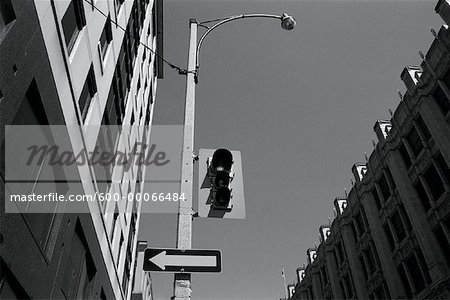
391	234
71	63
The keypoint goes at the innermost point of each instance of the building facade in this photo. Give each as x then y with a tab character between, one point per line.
390	238
73	63
142	286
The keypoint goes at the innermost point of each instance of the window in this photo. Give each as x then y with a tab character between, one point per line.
376	197
324	275
389	236
73	22
390	178
418	186
443	242
405	156
398	227
361	261
359	224
423	265
405	217
414	142
105	38
7	14
434	182
381	292
354	232
79	270
384	187
120	247
349	286
416	275
115	217
339	253
423	128
87	93
371	265
443	166
405	282
441	100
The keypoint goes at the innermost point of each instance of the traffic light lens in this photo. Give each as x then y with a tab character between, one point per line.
222	179
223	196
222	160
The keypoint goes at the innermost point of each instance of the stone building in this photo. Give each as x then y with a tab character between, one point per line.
391	235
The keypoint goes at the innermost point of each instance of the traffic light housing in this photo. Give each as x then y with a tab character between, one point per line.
221	193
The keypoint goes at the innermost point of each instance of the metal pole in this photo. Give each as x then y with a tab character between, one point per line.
182	281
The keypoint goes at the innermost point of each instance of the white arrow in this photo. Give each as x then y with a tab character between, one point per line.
162	260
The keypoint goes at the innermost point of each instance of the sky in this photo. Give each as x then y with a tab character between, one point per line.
299	105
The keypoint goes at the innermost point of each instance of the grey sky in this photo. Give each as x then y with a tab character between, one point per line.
300	106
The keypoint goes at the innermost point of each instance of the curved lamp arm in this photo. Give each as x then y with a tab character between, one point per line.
287	23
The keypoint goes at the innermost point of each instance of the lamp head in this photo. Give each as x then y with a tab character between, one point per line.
287	22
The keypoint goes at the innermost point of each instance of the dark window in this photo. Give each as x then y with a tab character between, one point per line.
443	166
7	14
434	182
338	253
398	226
310	292
389	236
380	292
120	246
106	37
118	99
88	92
73	22
115	217
118	5
102	295
360	224
349	285
384	187
402	273
405	217
414	142
405	156
441	100
324	275
418	186
416	274
390	178
376	197
361	261
79	271
341	284
371	265
423	128
126	277
443	242
423	265
353	228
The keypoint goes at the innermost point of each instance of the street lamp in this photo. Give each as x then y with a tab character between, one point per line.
182	281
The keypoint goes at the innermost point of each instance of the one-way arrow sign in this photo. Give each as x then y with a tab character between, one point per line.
177	260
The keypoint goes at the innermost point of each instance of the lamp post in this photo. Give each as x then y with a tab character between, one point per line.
182	281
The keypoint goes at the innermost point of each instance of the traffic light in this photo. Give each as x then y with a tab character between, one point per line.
221	191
